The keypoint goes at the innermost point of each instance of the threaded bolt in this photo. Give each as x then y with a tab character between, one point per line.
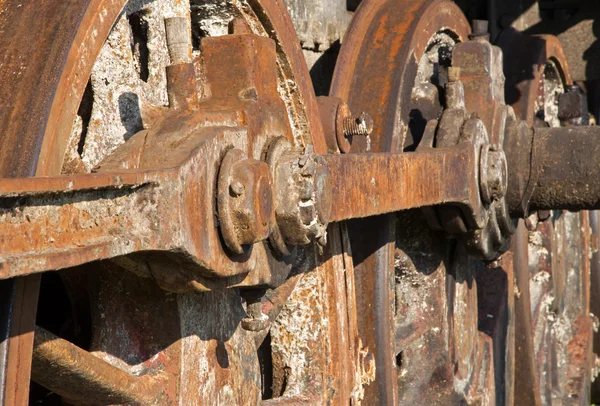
237	188
255	319
453	74
479	29
361	125
178	40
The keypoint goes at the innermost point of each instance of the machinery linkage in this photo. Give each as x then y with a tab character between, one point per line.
188	189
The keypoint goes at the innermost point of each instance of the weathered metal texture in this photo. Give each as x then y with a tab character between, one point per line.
122	337
248	118
565	168
186	203
30	90
375	175
318	24
553	321
444	356
19	298
80	377
555	168
480	65
376	72
484	226
526	379
361	79
573	107
556	277
496	318
303	197
69	220
594	301
31	69
340	125
321	27
525	60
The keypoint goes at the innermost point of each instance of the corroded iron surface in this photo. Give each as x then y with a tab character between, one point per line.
223	237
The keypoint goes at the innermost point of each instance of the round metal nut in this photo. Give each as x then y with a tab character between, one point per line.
333	113
251	324
276	149
493	173
340	125
304	197
244	200
341	116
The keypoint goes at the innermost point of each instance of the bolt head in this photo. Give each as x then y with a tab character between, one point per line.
252	210
244	201
479	27
237	188
493	173
304	198
252	324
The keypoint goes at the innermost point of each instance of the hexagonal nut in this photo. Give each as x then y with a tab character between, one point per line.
572	107
245	201
252	210
493	176
303	197
253	324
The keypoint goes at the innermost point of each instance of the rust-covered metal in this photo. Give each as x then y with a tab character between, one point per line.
552	305
398	33
562	168
227	379
89	377
245	242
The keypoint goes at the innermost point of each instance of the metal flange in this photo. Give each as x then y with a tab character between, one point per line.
244	201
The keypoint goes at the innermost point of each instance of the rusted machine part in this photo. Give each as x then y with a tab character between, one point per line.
186	201
340	125
594	302
565	180
245	176
303	197
19	298
573	107
486	230
557	168
71	53
80	377
398	33
109	214
526	380
244	200
24	116
552	313
526	58
402	173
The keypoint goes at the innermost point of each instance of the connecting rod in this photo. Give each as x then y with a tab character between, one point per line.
554	168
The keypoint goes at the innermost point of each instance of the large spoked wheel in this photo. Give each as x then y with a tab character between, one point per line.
554	325
82	80
418	294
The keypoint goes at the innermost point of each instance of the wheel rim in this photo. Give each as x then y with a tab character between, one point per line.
117	337
376	72
554	273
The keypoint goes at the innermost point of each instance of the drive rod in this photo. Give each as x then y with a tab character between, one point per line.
554	169
366	185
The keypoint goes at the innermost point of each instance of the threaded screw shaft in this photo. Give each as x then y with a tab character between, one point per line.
178	40
361	125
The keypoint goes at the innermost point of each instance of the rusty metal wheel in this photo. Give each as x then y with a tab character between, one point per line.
82	81
439	329
555	324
